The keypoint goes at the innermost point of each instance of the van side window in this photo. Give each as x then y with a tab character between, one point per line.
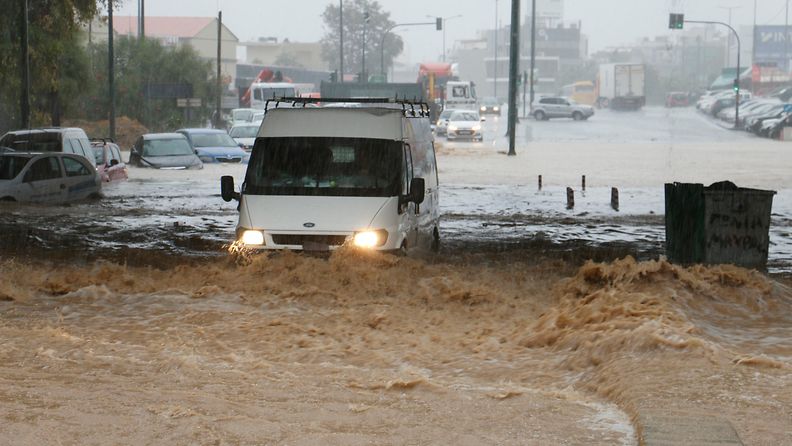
75	168
86	148
408	169
67	146
44	169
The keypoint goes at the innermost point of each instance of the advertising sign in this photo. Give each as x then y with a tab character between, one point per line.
771	43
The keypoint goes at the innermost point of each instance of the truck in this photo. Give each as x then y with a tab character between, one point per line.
460	95
620	86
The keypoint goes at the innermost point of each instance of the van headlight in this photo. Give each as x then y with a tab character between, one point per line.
370	239
496	108
476	128
252	237
452	128
483	108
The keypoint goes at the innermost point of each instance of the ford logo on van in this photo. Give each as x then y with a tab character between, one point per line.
309	225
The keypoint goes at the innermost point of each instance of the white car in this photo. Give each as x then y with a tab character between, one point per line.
465	124
241	115
442	122
47	177
245	135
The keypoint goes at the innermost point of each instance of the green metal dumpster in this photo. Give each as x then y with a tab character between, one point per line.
718	224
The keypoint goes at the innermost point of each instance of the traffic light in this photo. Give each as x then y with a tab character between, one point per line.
676	21
334	76
736	86
439	23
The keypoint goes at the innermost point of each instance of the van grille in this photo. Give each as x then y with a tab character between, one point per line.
302	239
229	160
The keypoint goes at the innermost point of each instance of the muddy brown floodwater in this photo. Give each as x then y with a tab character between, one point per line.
375	349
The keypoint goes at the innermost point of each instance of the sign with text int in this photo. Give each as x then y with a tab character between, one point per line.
188	102
771	43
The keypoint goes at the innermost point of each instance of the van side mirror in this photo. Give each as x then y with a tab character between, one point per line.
417	190
227	188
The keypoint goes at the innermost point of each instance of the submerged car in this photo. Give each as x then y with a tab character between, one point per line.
164	151
47	177
50	139
464	124
244	135
108	161
215	146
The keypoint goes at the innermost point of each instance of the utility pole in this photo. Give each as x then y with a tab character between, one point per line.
218	117
495	69
111	68
533	50
25	102
341	34
142	28
514	67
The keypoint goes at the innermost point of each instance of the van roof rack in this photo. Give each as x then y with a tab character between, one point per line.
414	108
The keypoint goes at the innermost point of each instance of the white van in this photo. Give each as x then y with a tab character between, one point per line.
261	92
322	177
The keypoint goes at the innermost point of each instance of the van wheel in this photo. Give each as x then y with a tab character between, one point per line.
540	115
435	241
577	116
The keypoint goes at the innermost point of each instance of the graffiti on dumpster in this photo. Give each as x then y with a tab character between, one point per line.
737	231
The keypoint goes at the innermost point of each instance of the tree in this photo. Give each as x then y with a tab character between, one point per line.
56	65
139	63
378	23
287	58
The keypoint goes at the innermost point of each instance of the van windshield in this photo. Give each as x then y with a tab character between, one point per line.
325	166
166	147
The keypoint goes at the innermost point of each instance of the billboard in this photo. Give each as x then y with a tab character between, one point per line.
771	43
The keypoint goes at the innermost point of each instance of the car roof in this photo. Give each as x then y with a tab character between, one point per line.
150	136
45	130
202	131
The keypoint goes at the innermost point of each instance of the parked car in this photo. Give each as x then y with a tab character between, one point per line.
215	146
560	107
442	122
244	135
164	151
108	160
257	117
490	106
51	139
47	177
677	99
465	124
241	116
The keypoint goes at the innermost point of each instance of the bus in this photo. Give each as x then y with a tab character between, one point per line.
582	92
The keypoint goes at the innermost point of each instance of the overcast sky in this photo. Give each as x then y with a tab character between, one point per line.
606	22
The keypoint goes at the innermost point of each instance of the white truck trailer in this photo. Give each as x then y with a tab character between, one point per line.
621	86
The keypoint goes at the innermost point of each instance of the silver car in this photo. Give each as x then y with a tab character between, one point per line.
47	177
560	107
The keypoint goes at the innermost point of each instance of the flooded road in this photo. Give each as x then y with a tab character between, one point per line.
123	320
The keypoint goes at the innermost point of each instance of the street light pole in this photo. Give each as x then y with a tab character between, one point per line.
363	76
728	50
111	69
737	77
495	65
514	66
385	33
25	102
445	19
533	50
341	34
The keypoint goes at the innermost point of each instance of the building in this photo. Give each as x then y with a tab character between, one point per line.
268	51
198	32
